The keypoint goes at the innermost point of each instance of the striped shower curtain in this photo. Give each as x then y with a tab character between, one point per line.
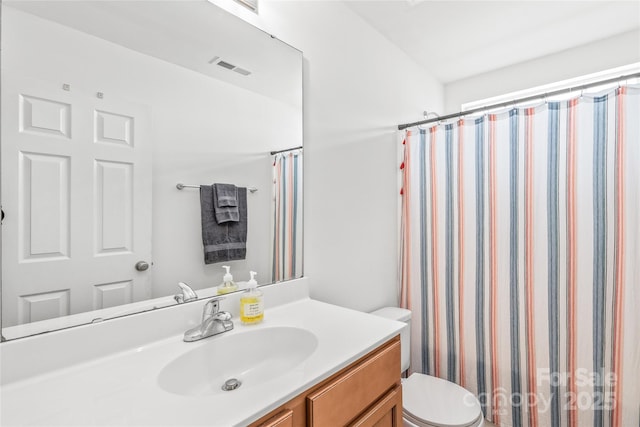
287	216
520	259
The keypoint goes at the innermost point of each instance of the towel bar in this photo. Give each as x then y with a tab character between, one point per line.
180	186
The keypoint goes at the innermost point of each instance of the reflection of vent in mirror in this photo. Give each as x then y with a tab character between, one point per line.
249	4
229	66
226	65
242	71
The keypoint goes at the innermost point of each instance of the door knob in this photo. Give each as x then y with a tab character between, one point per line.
142	265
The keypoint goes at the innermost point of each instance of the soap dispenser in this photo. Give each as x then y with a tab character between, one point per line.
228	285
251	304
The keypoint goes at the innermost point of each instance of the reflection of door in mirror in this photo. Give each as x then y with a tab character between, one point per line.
71	243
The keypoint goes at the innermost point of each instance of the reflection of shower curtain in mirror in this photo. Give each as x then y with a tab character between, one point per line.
287	216
521	259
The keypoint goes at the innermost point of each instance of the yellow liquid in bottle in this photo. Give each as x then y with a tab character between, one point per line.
251	310
225	289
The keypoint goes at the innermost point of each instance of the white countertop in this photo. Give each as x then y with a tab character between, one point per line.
122	388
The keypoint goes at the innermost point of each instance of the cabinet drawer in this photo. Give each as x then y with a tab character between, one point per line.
283	419
387	412
338	402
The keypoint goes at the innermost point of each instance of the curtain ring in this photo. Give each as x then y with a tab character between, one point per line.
425	116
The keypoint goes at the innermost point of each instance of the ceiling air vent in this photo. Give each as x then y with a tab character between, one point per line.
242	71
226	65
229	66
252	5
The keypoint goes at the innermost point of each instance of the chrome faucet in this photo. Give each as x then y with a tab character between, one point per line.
186	295
214	322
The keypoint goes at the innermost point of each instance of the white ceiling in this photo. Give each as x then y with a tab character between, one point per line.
457	39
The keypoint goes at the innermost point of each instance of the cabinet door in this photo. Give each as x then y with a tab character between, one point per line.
346	397
387	412
283	419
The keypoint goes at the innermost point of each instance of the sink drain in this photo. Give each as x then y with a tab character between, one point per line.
231	384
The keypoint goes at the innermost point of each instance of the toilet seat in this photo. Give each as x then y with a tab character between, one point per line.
434	402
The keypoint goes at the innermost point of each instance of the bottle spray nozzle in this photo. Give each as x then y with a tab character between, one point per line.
252	281
227	276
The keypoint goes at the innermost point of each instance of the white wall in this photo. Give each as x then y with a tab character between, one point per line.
605	54
203	131
358	88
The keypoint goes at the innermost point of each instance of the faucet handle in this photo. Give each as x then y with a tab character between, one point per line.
214	322
186	295
211	307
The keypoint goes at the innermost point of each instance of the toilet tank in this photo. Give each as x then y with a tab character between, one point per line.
401	315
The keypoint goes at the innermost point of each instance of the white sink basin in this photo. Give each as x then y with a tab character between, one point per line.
252	357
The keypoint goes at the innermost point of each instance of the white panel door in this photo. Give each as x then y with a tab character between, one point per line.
76	191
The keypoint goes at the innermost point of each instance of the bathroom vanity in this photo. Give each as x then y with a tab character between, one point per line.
308	363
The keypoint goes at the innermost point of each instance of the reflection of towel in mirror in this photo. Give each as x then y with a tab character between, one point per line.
225	203
227	195
226	241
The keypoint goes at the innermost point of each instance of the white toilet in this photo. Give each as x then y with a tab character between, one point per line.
429	401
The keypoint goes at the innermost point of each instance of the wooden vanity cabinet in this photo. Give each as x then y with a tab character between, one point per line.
365	393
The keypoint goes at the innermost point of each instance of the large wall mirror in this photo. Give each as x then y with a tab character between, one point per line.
106	107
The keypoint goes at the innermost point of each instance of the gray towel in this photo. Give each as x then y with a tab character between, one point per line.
226	241
227	195
223	210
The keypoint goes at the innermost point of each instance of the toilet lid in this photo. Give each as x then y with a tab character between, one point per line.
438	402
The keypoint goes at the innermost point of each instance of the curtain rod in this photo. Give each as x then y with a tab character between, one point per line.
520	100
285	150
